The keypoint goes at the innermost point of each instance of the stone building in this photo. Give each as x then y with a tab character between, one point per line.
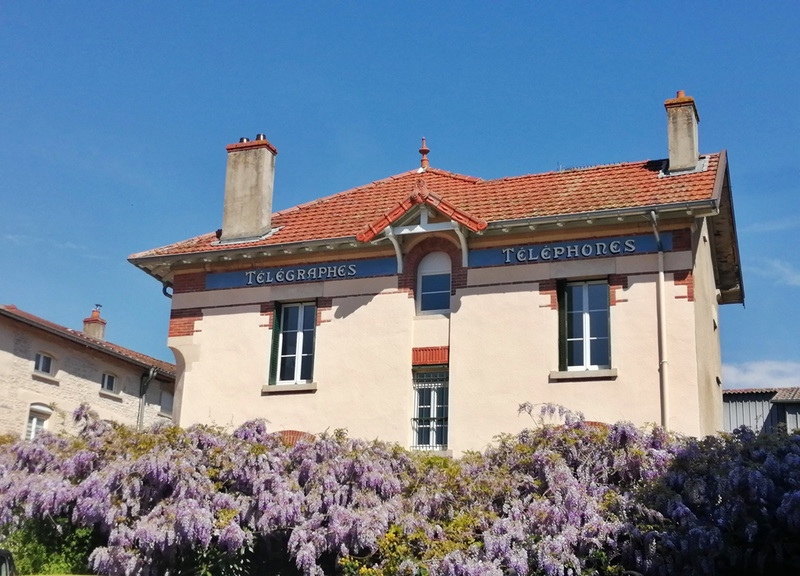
425	307
47	371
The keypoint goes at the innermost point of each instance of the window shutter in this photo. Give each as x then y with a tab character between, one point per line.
274	355
561	291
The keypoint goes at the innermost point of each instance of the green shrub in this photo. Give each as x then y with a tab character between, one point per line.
51	546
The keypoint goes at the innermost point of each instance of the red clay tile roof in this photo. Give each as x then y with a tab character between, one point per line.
750	390
11	311
474	202
787	395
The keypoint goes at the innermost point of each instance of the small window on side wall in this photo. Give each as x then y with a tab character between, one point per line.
433	284
43	363
166	402
109	382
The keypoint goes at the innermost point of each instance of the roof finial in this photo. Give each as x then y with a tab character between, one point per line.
424	151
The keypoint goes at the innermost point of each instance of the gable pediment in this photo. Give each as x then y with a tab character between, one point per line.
421	211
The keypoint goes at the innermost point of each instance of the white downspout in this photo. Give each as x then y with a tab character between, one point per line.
144	384
663	363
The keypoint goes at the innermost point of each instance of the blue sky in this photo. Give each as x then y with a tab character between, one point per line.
114	119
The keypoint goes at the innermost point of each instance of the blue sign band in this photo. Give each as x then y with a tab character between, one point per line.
564	251
305	273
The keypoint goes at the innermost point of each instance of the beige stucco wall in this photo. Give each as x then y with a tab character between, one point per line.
503	338
361	366
504	345
709	358
76	379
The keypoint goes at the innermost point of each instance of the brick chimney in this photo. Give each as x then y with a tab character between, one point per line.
248	190
95	326
682	119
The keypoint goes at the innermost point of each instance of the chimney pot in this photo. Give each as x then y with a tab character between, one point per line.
682	119
244	139
250	175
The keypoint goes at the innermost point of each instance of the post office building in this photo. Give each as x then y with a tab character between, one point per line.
424	308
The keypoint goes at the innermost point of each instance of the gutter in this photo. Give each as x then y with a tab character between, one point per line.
663	362
242	251
696	208
144	384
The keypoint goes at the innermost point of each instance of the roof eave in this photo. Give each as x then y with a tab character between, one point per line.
160	266
88	343
694	209
728	269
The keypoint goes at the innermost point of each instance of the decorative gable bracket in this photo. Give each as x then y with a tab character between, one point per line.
392	234
460	221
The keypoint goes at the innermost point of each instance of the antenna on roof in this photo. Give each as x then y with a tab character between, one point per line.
98	306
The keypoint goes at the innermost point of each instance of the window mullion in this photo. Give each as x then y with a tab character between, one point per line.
587	327
298	353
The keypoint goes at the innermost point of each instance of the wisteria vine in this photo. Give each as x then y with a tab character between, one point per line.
578	498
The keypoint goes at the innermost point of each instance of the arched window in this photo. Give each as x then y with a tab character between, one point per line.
433	283
37	420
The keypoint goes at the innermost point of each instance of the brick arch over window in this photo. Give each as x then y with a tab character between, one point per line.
408	279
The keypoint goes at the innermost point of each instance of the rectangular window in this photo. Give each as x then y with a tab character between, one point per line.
166	402
434	292
108	382
43	363
293	343
584	326
430	410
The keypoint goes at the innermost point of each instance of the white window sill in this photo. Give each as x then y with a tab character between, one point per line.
577	375
289	388
432	314
432	452
46	378
166	415
110	395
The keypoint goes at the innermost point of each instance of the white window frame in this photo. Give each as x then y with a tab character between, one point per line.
437	382
38	416
434	264
304	308
104	383
586	338
40	360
